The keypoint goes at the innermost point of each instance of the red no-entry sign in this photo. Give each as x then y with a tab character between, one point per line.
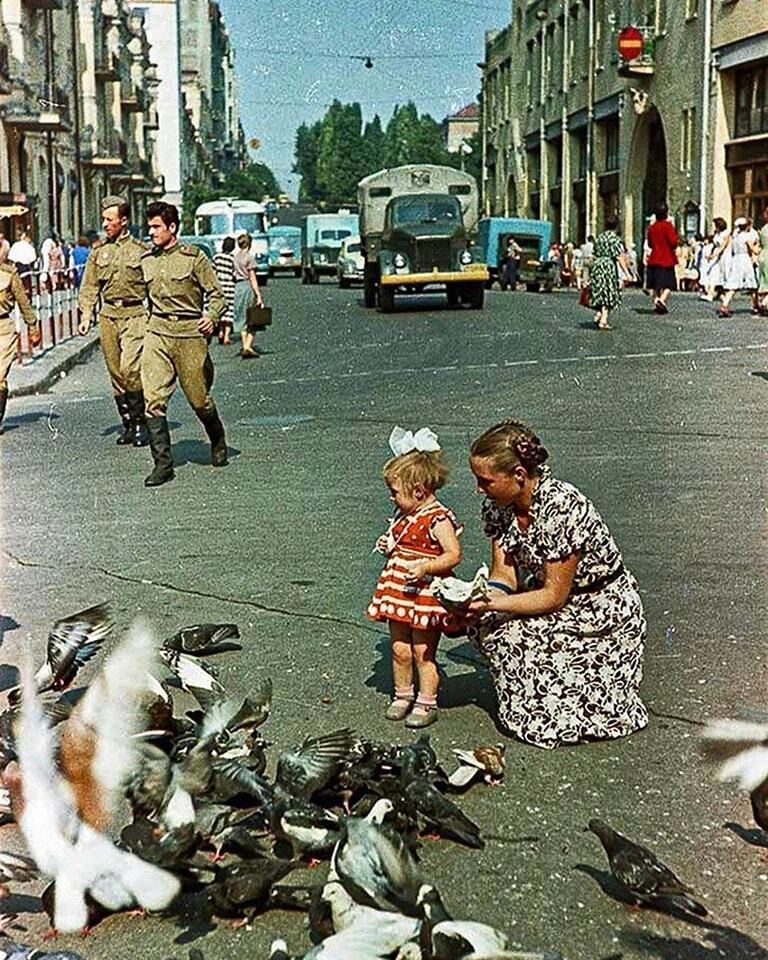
630	42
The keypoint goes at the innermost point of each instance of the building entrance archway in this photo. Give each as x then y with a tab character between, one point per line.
646	180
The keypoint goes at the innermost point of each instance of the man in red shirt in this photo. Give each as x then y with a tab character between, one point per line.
663	242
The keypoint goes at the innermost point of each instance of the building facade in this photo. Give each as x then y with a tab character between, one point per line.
460	127
573	133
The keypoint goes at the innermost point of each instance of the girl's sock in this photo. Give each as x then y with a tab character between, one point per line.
425	702
404	693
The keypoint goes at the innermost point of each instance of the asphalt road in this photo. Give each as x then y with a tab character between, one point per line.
661	421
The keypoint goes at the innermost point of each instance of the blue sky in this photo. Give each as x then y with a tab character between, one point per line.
293	59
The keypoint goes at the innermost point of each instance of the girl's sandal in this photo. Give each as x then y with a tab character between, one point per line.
398	709
424	719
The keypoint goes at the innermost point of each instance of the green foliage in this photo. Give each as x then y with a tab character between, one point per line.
255	182
335	153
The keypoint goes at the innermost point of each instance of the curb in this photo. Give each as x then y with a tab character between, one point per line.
51	367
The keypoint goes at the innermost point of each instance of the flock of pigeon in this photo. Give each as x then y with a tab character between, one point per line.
207	817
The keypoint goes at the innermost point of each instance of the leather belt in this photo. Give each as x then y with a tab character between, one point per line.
123	303
601	582
177	316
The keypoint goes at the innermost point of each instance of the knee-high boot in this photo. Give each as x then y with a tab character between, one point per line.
135	401
160	445
215	430
125	438
3	403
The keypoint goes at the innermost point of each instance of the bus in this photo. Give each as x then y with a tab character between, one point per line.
229	217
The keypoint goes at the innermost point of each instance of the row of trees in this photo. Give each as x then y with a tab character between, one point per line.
252	183
334	153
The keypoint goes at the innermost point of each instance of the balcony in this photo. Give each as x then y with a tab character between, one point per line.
107	152
107	67
43	107
134	99
645	63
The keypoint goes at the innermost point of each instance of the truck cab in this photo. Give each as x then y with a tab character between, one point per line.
321	238
532	236
416	224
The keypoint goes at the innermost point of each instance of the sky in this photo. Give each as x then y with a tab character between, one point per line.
293	58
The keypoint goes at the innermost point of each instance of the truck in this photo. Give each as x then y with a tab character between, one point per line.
533	236
416	226
321	237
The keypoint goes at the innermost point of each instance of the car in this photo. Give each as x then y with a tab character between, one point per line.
350	266
204	244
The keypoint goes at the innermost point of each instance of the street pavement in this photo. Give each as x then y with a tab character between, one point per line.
661	421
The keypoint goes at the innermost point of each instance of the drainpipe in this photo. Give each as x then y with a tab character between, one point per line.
705	96
590	212
565	146
543	165
76	118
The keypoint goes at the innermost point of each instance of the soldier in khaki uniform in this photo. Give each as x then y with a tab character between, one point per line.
113	274
12	293
179	280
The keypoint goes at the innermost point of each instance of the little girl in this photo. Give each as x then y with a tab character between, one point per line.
421	542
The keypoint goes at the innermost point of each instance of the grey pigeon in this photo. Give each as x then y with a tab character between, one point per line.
203	639
641	873
306	769
425	802
243	889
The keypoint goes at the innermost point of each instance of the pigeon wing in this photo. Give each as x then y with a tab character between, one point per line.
74	641
308	768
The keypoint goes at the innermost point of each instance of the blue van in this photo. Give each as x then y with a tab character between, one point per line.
284	250
534	236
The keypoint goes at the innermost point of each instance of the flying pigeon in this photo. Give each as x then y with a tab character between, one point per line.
204	639
641	873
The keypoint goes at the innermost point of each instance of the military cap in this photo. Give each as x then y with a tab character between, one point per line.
112	201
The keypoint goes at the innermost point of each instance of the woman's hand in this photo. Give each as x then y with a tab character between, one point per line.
416	570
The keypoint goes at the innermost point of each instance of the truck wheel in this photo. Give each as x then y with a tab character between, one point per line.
386	299
452	291
297	272
474	296
271	272
343	283
532	287
369	289
304	277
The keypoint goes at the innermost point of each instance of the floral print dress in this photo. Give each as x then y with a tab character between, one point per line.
604	276
575	673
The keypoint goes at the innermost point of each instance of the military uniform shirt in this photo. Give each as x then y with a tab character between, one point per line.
113	271
12	292
179	279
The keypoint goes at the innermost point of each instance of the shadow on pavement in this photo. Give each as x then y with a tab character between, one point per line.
6	625
9	676
193	914
753	836
117	427
720	942
762	374
196	451
14	422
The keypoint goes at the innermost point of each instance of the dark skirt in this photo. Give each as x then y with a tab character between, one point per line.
660	278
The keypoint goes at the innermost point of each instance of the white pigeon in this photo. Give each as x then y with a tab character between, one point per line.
743	745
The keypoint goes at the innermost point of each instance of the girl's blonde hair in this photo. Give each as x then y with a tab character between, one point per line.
508	444
417	468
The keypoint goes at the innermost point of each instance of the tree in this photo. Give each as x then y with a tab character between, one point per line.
401	136
254	182
372	153
305	152
339	155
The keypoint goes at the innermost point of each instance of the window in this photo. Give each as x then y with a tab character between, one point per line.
579	147
686	139
752	101
611	144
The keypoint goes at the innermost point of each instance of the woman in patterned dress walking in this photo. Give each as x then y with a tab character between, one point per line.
421	543
563	627
609	255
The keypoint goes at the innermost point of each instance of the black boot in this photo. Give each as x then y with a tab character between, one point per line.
215	430
160	445
3	402
135	400
126	437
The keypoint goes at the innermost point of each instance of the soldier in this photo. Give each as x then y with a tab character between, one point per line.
179	279
12	292
113	273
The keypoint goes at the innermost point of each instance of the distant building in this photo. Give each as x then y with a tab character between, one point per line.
461	127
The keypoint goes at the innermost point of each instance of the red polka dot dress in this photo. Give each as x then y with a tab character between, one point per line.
395	598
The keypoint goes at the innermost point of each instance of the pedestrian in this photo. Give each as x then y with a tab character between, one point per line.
12	293
421	543
563	627
511	265
224	265
609	256
663	242
740	272
24	257
80	253
762	266
185	304
113	277
587	255
4	248
715	264
247	294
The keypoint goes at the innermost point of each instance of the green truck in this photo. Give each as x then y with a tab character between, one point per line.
416	229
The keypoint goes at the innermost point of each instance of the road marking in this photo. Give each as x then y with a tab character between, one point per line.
676	353
637	356
756	346
715	349
520	363
607	356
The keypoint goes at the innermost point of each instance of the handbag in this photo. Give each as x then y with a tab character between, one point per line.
257	318
584	296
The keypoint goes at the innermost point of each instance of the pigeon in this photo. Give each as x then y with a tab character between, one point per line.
192	674
417	759
394	928
204	639
61	813
425	802
17	867
11	950
442	937
243	889
743	746
375	865
306	769
310	830
759	800
72	642
641	873
487	762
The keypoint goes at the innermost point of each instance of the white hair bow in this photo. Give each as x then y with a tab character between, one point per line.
404	441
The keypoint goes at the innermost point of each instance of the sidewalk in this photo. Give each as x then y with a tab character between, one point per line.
37	375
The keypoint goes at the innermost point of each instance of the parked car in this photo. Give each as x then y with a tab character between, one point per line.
203	243
284	250
351	263
533	236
